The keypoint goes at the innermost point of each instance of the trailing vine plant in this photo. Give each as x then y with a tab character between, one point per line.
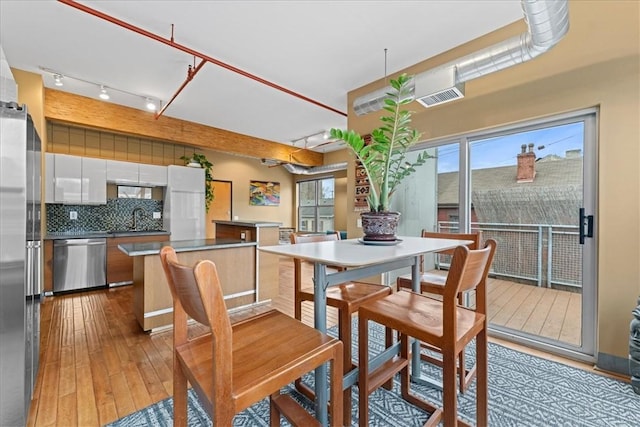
208	176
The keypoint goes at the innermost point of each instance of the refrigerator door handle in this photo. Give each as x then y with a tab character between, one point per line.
37	260
28	283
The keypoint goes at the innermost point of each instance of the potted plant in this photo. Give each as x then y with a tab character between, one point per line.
200	160
384	160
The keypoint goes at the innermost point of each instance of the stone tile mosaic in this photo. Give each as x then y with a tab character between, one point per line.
117	214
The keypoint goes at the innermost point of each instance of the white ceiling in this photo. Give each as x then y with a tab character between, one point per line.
319	49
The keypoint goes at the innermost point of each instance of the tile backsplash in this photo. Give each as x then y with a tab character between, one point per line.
117	214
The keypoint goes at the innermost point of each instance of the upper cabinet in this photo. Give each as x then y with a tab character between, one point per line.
153	175
49	178
67	172
94	181
136	173
122	172
75	180
185	179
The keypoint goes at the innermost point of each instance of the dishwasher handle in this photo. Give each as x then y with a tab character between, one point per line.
80	242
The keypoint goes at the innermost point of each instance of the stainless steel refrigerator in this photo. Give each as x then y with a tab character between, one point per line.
20	262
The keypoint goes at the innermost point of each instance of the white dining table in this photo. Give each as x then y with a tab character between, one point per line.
361	260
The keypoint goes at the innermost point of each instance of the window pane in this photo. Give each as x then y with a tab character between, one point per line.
307	193
316	205
306	219
325	220
326	189
448	157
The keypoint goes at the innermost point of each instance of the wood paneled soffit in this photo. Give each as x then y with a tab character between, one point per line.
79	110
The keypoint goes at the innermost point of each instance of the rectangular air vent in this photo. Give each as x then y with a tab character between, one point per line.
441	97
438	86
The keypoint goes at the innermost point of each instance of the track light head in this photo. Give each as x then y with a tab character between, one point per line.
103	93
57	80
150	104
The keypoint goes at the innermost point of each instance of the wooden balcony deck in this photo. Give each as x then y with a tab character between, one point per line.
549	313
539	311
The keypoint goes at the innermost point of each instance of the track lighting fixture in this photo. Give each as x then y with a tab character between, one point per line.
150	104
103	93
314	140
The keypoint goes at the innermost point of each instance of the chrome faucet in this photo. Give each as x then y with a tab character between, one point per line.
135	217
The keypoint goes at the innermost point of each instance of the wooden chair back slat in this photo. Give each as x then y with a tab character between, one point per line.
308	238
468	271
475	237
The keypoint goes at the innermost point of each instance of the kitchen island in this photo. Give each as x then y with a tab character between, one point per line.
152	303
263	233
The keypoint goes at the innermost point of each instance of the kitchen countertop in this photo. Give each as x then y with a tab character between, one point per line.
153	248
250	223
100	234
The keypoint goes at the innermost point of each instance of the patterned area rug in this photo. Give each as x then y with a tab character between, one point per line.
524	390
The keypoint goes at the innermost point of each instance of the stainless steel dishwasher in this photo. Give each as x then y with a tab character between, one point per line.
79	264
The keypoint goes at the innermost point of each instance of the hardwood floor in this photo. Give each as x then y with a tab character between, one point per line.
97	365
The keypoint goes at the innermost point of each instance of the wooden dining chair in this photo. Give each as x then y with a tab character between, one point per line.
346	297
234	366
434	284
443	324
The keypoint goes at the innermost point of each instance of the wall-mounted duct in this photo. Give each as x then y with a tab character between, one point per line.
547	22
301	170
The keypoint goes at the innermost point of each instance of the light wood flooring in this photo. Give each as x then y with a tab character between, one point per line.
97	365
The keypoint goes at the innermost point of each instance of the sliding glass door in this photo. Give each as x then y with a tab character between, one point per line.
532	188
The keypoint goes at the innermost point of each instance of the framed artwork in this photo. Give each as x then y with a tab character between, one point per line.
264	193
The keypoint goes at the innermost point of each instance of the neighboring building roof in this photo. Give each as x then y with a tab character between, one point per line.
552	198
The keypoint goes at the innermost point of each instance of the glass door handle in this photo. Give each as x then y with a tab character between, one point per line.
586	226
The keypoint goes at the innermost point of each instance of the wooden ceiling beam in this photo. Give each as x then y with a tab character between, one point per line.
88	112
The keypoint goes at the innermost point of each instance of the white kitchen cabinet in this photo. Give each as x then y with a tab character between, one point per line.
152	175
122	172
182	178
94	181
75	180
184	204
137	174
68	179
49	178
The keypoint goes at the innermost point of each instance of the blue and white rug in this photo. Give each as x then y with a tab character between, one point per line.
524	390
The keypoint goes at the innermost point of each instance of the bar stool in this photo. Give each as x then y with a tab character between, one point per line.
442	324
347	298
434	284
233	367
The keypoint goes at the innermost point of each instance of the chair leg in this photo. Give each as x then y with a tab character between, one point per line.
449	390
388	341
404	373
304	389
337	410
274	414
462	372
363	364
179	395
482	386
344	334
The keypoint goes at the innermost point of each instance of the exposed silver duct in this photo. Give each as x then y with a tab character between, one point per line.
547	22
301	170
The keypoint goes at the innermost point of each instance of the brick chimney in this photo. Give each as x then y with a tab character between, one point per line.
526	164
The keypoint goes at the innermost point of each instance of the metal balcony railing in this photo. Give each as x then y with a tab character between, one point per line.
541	254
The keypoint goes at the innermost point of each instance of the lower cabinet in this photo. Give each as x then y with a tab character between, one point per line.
119	264
47	276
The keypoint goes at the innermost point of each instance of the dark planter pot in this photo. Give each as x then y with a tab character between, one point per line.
380	226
